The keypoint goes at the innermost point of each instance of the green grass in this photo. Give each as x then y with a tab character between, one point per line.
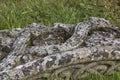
115	76
20	13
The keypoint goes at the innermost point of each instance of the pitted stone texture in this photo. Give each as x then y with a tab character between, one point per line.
85	47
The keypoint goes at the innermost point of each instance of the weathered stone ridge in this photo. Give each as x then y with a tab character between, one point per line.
91	46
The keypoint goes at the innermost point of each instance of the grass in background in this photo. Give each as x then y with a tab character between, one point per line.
20	13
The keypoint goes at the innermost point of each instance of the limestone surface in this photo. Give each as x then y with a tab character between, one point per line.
91	46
